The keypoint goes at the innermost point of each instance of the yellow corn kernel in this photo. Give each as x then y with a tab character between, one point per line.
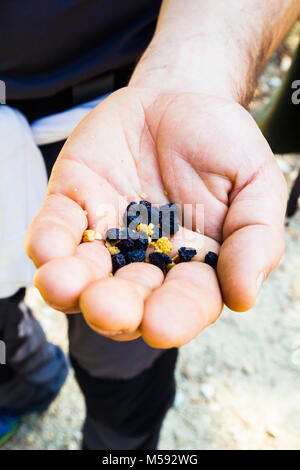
90	236
150	229
142	228
163	245
114	250
145	228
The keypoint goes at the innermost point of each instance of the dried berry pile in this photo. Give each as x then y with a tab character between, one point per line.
147	226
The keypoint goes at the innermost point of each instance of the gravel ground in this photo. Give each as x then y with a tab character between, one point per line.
238	382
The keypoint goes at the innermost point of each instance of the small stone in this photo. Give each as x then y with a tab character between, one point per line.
214	406
285	63
295	290
208	369
248	369
178	400
272	431
72	445
207	390
275	82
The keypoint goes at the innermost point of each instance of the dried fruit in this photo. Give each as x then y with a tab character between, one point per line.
132	214
212	259
136	256
163	245
128	233
168	219
118	261
126	244
152	213
113	234
114	250
186	254
142	242
142	228
160	260
145	226
90	236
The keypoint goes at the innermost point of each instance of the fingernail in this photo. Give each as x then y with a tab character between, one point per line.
260	279
109	333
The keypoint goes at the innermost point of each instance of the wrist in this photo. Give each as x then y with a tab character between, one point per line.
196	65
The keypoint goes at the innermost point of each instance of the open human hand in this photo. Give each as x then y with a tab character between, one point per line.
197	149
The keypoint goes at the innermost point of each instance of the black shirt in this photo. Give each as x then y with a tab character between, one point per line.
49	45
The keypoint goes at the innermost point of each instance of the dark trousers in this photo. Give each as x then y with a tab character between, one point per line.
34	369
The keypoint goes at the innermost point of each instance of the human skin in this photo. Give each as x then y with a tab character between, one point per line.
180	133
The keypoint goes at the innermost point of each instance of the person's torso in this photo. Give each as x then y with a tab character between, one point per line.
49	45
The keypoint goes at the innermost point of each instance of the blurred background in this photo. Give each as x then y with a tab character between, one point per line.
238	383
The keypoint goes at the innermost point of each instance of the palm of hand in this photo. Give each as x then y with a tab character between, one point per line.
194	148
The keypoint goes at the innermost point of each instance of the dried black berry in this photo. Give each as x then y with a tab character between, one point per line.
147	204
133	216
168	229
186	254
168	219
152	215
212	259
170	207
160	260
113	235
127	244
136	256
142	242
128	233
118	261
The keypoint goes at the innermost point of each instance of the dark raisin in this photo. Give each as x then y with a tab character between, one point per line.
160	260
152	215
132	215
127	244
128	233
113	235
168	219
169	228
186	254
212	259
147	204
118	261
136	256
142	242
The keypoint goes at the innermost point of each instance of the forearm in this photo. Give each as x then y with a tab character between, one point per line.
214	46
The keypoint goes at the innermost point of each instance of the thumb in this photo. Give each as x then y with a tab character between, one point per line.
253	235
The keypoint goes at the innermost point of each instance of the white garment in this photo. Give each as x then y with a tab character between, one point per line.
23	183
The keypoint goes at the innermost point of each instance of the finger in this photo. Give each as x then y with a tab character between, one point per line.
56	230
188	301
61	280
141	273
246	259
114	305
253	236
